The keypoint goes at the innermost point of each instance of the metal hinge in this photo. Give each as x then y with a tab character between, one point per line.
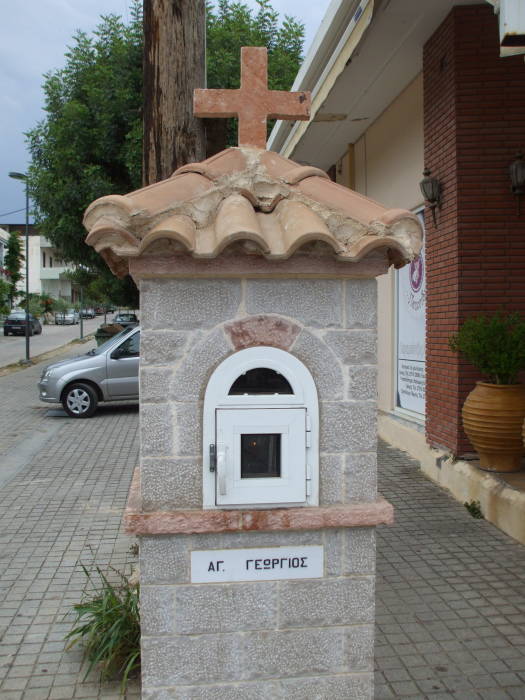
308	480
308	431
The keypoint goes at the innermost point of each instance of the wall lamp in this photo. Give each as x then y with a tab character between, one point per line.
431	190
517	177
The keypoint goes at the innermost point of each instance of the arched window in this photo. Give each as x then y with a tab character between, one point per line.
260	380
260	430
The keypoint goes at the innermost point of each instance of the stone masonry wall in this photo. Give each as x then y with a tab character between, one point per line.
272	639
303	640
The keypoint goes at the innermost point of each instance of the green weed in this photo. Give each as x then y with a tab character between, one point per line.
107	624
474	508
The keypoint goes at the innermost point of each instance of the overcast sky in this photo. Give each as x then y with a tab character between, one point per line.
34	35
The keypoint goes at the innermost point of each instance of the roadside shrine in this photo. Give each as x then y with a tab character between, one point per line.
255	500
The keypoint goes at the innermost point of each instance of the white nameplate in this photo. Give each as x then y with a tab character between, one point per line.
257	564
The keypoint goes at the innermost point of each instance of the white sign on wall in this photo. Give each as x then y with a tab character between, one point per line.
411	326
257	564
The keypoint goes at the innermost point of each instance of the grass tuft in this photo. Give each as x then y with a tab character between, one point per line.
107	624
474	508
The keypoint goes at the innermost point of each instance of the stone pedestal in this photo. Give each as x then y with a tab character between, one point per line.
249	250
270	639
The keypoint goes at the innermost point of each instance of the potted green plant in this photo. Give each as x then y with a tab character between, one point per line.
494	411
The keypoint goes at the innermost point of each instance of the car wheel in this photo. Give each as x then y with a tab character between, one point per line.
80	400
5	332
31	331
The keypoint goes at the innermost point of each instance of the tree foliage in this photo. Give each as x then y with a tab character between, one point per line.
13	259
5	290
231	25
89	143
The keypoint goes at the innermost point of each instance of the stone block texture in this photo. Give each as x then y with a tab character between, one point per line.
267	638
161	347
191	326
305	639
316	303
188	304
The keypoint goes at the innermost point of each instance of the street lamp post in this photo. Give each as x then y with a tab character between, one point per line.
23	176
81	310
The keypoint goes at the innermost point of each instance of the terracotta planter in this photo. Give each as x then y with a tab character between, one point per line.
493	416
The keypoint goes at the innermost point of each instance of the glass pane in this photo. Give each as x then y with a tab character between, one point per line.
261	381
260	456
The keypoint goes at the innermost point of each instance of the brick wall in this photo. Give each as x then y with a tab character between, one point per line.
474	121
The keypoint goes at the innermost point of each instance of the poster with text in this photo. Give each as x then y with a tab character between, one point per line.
411	313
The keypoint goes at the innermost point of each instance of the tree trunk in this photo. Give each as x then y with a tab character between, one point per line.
174	65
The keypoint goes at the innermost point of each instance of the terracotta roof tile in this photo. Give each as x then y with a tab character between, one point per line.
246	194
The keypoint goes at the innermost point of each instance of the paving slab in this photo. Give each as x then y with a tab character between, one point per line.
450	595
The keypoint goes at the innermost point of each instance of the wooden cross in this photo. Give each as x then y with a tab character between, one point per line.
253	103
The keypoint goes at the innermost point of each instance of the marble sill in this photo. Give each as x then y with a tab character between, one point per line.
188	522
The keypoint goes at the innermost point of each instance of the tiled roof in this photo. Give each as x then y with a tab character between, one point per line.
272	204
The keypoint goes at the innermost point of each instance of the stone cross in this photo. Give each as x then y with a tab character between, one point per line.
253	103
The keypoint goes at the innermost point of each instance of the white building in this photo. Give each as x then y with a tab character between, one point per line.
50	271
46	269
3	245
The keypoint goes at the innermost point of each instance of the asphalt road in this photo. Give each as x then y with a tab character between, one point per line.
13	347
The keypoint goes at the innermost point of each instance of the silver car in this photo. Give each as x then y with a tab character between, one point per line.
107	373
69	317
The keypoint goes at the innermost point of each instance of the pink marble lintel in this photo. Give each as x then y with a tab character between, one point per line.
262	330
189	522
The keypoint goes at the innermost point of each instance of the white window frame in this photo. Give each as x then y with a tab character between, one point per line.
304	396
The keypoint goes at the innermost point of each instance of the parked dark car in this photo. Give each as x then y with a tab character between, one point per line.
15	323
125	319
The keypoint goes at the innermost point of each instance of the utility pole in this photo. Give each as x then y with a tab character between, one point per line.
174	65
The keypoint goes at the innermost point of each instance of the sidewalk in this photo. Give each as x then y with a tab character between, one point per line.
62	508
450	596
450	593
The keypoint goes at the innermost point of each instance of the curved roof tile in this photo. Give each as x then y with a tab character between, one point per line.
246	194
